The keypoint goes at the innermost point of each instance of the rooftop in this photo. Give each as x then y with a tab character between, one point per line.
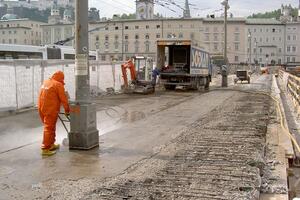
263	21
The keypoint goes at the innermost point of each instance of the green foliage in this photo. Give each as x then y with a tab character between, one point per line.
273	14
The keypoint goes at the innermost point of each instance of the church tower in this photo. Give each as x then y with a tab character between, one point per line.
187	12
144	9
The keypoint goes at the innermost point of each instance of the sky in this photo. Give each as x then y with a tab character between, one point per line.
200	8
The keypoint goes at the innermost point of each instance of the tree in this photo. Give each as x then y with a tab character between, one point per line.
273	14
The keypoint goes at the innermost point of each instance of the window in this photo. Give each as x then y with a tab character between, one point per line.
236	59
215	36
116	28
236	46
288	37
147	37
126	37
293	59
106	38
288	49
136	37
126	27
237	37
294	37
288	59
97	38
3	32
294	49
192	36
147	47
137	27
136	48
273	30
157	26
103	57
116	45
260	50
106	28
180	26
180	35
116	37
15	32
272	54
215	46
279	50
207	36
126	47
157	35
147	26
106	46
254	50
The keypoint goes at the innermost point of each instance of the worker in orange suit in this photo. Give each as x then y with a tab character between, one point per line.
52	96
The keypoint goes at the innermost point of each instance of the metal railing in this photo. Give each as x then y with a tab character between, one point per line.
20	80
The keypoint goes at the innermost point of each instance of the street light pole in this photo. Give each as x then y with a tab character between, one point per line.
250	47
224	71
84	133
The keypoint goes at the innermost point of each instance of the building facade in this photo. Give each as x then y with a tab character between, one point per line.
255	41
292	42
122	39
20	31
265	41
39	4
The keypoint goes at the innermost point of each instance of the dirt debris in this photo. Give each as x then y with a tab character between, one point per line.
212	160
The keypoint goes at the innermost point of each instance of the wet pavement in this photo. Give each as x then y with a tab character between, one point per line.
132	129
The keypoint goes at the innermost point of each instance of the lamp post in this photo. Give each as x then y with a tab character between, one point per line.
84	134
224	70
250	47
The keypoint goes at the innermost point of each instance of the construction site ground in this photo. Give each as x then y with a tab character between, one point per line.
216	144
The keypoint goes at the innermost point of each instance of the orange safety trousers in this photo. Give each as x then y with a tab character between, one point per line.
49	122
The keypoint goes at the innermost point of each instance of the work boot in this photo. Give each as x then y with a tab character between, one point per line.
47	152
54	147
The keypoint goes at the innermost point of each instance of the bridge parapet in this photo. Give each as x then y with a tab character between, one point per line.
292	83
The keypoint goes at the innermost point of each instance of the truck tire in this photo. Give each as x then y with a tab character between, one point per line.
207	83
170	87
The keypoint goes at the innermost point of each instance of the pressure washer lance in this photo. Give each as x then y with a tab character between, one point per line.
64	120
